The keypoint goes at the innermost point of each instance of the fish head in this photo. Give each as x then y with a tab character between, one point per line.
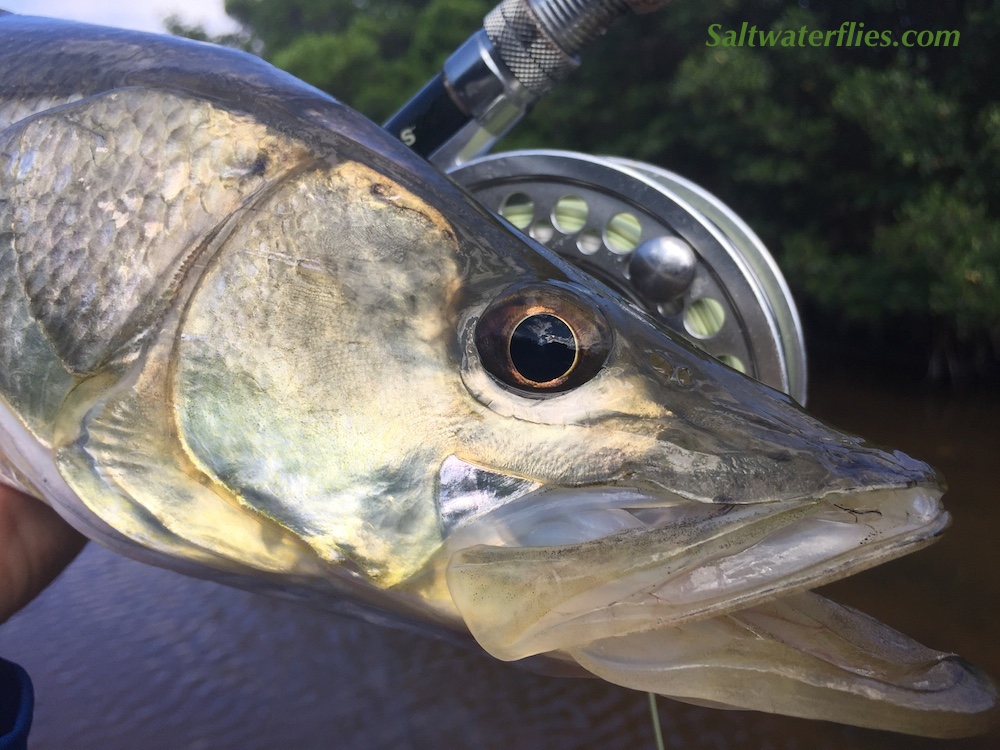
490	439
598	430
367	340
627	501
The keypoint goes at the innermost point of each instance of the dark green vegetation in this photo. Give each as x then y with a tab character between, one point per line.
869	171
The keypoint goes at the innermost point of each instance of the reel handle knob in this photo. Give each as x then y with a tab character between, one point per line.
662	268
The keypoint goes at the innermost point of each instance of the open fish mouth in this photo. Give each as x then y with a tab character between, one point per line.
596	563
707	602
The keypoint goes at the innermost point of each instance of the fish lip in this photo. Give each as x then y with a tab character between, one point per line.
803	655
846	564
741	561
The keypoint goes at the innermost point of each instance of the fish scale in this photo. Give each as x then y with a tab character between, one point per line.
14	110
130	237
32	378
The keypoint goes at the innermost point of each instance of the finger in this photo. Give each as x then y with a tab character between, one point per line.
35	545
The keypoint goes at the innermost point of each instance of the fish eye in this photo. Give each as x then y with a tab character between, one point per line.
543	348
542	340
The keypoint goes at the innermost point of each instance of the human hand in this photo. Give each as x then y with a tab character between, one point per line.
35	545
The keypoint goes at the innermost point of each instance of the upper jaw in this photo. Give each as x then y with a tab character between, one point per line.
558	568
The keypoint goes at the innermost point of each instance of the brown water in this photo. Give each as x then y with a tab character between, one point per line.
125	656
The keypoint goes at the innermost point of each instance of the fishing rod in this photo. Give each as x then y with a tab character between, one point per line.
664	243
525	48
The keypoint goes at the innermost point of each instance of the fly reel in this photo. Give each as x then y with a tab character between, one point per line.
670	247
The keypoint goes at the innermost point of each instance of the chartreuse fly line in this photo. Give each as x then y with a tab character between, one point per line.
655	714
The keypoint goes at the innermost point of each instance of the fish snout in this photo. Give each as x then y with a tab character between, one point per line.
742	442
730	497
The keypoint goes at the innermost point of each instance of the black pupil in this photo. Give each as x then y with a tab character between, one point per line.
542	348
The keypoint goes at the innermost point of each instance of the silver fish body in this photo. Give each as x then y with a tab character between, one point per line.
251	337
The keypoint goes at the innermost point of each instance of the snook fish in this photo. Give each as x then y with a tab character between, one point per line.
247	335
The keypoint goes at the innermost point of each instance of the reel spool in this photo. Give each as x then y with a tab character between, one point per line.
668	246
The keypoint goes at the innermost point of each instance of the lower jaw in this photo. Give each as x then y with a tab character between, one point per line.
803	656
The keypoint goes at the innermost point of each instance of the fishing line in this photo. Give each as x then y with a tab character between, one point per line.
655	714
